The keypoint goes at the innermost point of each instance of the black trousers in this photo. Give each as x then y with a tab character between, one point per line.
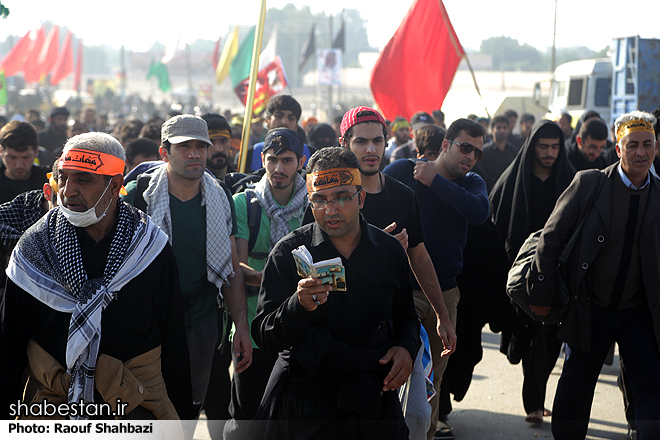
538	363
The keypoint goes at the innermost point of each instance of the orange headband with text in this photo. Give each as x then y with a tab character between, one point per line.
333	177
93	162
634	125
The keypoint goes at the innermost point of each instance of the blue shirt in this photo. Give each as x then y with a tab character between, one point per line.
447	207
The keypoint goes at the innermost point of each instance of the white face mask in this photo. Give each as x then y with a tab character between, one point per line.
87	218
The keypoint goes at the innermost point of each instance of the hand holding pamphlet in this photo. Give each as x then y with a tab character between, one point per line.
328	271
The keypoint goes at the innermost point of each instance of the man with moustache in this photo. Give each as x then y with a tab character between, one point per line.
264	214
217	160
498	153
521	202
18	149
342	354
613	274
54	137
450	197
393	207
195	211
586	152
92	306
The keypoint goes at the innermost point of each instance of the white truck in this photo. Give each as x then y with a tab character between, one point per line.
627	81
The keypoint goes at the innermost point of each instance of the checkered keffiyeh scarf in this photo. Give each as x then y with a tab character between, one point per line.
17	215
218	221
47	263
279	216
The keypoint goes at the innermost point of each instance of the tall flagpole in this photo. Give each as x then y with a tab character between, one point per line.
249	103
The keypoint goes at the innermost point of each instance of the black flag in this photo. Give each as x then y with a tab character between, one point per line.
308	49
338	42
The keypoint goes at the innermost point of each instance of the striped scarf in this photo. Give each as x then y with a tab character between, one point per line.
47	263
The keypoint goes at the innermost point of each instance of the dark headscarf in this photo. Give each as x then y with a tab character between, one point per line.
510	197
319	134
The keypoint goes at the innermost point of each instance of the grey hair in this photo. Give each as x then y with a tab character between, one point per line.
634	115
95	141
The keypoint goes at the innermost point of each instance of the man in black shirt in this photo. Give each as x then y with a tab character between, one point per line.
342	353
586	152
19	148
393	207
54	137
498	153
92	297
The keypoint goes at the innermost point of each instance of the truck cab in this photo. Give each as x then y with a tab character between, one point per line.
582	85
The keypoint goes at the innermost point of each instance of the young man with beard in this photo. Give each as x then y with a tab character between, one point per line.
195	211
450	197
54	137
521	202
590	142
277	204
498	153
393	207
217	160
342	354
18	149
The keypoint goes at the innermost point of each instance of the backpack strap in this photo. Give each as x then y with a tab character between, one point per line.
142	184
254	222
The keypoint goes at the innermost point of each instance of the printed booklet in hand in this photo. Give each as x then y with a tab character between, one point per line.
328	271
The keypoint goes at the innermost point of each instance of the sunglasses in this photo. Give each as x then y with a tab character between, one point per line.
467	148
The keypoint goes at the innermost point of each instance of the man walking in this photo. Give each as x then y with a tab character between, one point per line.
342	353
195	212
521	203
613	276
264	215
83	282
450	197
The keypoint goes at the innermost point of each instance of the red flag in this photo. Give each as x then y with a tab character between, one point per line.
64	65
31	66
215	58
49	52
416	68
14	61
78	74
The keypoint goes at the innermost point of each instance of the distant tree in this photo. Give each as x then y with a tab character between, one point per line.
508	54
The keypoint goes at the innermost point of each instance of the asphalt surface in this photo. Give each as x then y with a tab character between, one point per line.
493	409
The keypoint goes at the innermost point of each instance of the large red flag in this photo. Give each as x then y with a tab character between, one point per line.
14	60
31	66
50	52
416	68
77	76
64	65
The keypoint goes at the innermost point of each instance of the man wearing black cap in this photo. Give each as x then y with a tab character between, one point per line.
264	215
217	160
54	137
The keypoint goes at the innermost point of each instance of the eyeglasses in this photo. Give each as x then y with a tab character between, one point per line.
467	148
339	202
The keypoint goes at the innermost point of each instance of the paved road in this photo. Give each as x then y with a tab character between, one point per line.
493	410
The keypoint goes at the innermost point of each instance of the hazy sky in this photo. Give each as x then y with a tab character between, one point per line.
138	23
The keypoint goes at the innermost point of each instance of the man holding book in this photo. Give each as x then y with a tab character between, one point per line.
264	215
342	355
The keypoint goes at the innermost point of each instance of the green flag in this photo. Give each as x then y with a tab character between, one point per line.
159	70
3	88
240	67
